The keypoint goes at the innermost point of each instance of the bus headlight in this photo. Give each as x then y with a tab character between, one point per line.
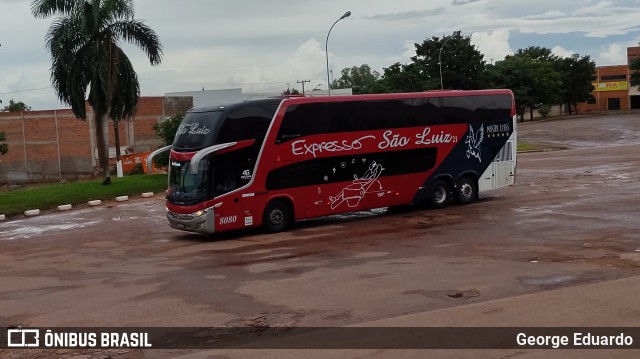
189	216
201	212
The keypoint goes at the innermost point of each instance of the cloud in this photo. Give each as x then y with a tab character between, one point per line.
614	54
494	45
407	15
552	14
561	51
462	2
308	62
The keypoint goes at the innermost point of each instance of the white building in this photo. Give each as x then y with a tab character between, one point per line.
226	96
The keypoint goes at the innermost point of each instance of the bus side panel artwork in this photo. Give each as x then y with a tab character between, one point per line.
372	169
311	157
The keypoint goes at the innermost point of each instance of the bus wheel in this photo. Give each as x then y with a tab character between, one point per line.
277	217
466	191
440	194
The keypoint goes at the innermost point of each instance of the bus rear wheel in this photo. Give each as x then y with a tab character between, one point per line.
440	194
466	191
277	217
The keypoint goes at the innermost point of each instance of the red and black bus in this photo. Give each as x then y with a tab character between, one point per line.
274	161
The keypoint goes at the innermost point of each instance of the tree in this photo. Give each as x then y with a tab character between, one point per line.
166	130
546	81
16	107
4	148
532	76
634	66
84	45
513	73
403	78
462	64
289	92
361	79
578	74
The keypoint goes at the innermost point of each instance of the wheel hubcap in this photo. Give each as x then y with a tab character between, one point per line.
466	191
276	217
440	195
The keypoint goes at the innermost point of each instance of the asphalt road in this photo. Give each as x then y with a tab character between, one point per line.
571	220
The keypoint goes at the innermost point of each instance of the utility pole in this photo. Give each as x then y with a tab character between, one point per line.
303	82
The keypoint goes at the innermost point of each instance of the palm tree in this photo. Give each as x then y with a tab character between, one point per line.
85	53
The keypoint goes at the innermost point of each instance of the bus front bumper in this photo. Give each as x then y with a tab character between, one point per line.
199	223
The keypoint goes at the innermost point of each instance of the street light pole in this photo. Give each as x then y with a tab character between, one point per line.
326	47
440	62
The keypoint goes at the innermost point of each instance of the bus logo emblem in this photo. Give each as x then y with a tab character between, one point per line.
474	142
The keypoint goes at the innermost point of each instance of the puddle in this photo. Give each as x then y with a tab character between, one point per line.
549	280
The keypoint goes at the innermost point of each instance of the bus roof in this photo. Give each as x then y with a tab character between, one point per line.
346	98
232	105
399	96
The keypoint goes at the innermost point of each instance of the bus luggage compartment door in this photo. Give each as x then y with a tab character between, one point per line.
497	175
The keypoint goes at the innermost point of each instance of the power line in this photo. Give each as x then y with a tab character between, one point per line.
27	90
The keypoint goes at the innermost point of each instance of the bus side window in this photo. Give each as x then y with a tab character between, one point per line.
343	116
492	108
245	123
385	114
302	120
423	112
458	109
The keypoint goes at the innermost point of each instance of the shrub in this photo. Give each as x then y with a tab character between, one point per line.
544	110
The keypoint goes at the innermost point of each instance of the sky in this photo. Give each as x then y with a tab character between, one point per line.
269	45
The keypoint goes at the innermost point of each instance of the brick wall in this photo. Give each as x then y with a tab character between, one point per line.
53	144
603	98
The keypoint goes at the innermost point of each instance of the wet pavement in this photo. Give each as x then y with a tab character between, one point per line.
571	220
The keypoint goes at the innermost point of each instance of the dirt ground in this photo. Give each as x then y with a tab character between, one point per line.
570	220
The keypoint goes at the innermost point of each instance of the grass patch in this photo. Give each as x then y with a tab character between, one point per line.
49	196
526	146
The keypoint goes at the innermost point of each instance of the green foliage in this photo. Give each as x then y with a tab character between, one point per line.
532	76
462	67
4	147
166	130
405	78
18	106
462	64
578	74
544	110
634	66
53	195
289	92
361	79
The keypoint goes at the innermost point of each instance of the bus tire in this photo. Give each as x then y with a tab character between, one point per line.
466	191
277	217
440	195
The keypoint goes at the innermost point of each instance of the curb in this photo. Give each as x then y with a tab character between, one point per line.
67	207
32	212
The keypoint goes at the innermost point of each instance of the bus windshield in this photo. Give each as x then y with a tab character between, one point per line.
186	188
198	130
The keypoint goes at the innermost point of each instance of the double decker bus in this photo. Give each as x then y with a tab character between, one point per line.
274	161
